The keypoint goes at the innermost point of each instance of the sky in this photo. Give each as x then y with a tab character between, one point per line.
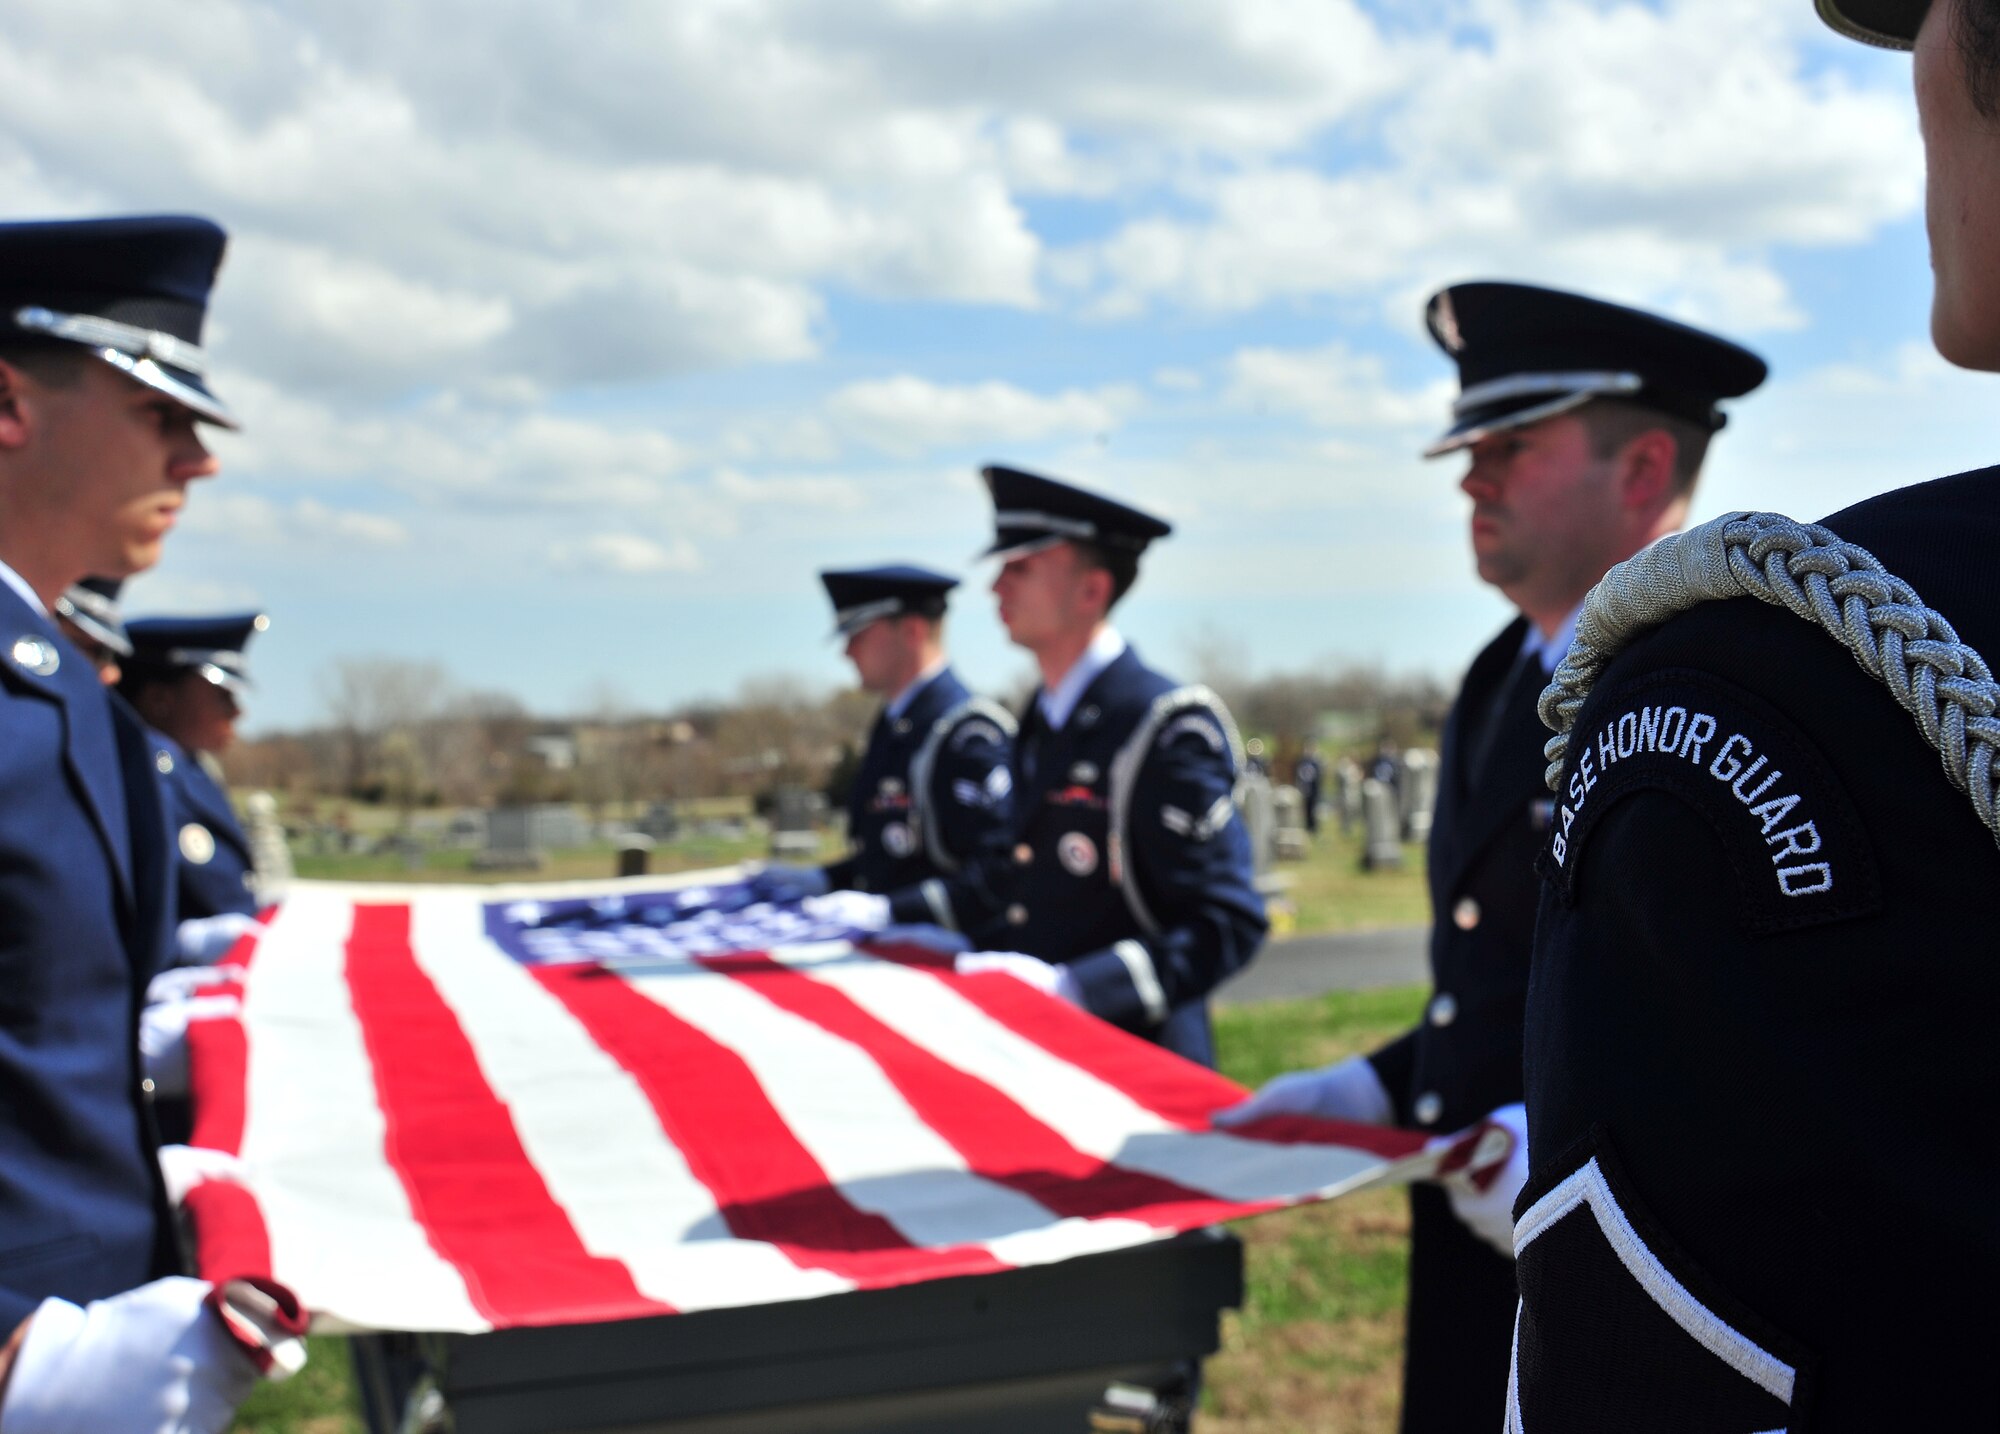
572	340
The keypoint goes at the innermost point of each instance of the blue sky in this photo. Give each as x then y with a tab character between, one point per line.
569	352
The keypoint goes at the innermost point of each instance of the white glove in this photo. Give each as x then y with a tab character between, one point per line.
1044	976
163	1028
1349	1091
177	983
183	1167
155	1360
207	939
856	910
1483	1172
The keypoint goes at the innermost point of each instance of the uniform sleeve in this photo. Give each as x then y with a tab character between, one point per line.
1396	1067
1189	856
970	900
971	797
14	1307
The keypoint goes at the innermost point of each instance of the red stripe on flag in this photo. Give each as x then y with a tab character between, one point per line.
452	1143
231	1241
999	1140
219	1074
766	1184
1169	1086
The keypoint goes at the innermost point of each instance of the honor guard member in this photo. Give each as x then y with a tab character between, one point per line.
101	388
1586	424
186	678
933	786
88	615
1124	880
1760	1047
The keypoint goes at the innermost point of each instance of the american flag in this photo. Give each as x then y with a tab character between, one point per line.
457	1113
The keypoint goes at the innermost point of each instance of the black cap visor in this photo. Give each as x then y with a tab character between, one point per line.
1892	24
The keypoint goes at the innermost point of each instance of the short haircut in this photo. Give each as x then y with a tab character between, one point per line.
1121	563
1977	36
1614	422
48	361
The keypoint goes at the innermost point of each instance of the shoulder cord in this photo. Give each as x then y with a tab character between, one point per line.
1125	774
1803	567
924	765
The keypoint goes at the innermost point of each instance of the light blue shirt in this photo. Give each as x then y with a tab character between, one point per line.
900	703
1059	701
1550	651
20	585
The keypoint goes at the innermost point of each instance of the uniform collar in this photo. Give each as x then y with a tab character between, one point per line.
1059	701
20	585
1550	651
900	703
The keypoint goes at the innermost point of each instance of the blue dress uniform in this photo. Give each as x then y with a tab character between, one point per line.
1524	354
85	906
1125	860
933	788
214	868
1760	1057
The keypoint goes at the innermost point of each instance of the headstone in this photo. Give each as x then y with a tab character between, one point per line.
270	857
792	832
1255	800
557	826
1289	841
660	822
510	843
1347	791
635	854
1382	823
1419	792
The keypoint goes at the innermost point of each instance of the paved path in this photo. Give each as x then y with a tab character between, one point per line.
1350	961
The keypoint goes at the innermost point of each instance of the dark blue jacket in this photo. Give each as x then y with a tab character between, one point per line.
1146	950
84	924
927	796
213	864
1760	1027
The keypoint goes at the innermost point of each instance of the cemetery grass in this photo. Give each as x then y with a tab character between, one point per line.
1318	1342
1330	891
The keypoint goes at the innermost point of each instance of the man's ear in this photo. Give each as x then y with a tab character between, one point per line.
1646	469
15	407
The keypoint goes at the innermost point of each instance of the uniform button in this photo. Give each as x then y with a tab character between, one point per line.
147	1085
902	726
1465	915
1429	1106
1023	854
1017	915
1444	1008
164	762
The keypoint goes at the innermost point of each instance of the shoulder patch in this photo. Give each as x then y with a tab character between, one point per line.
1197	723
1785	823
976	731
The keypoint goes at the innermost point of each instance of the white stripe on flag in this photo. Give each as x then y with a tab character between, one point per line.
589	1129
318	1162
1096	1118
849	1116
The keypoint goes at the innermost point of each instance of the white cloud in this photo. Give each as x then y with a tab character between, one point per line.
911	415
252	520
1332	387
1608	169
627	553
